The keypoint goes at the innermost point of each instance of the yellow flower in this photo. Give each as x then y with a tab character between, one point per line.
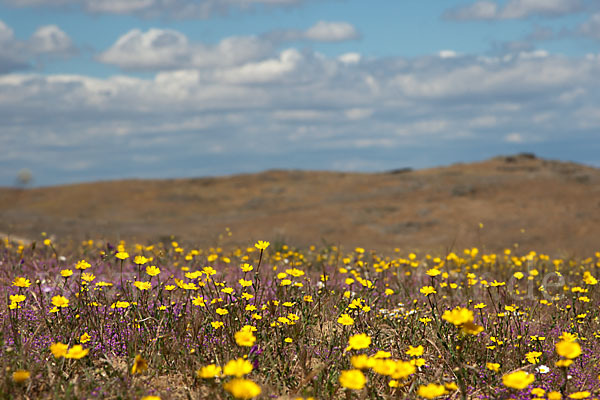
120	304
533	357
217	324
359	341
261	245
20	376
85	338
353	379
493	366
518	275
245	338
563	363
209	372
427	290
221	311
404	369
88	277
76	352
17	298
580	395
554	396
150	398
140	260
21	282
122	255
518	380
142	285
139	365
431	391
345	319
247	267
415	351
245	283
361	361
568	350
58	349
568	337
60	301
238	367
458	316
384	366
242	388
65	273
82	265
152	270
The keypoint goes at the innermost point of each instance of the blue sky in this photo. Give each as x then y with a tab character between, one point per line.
110	89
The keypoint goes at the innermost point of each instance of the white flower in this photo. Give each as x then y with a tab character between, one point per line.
543	369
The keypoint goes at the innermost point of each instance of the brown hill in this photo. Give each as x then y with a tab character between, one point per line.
543	205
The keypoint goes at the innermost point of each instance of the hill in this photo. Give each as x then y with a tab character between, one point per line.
540	204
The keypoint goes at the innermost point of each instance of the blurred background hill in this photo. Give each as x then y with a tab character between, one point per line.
538	204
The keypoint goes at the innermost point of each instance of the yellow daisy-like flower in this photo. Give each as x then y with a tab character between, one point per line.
245	338
65	273
122	255
359	341
245	282
142	285
20	376
85	338
431	391
427	290
415	351
568	350
345	319
580	395
17	298
404	369
209	372
60	301
88	277
76	352
139	365
261	245
221	311
82	265
458	316
58	349
247	267
140	260
518	380
493	366
353	379
21	282
238	367
242	388
152	270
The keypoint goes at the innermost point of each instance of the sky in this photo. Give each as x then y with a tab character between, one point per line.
111	89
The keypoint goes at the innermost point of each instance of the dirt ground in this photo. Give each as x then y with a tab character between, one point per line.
537	204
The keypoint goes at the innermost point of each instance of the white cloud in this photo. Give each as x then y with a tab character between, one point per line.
46	41
591	27
514	9
327	31
297	104
169	49
350	58
178	9
264	71
50	39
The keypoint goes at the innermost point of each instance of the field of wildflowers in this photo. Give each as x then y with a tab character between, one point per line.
166	321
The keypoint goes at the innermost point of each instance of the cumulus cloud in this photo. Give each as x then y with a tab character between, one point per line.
46	41
292	105
326	31
514	9
591	27
160	49
50	39
169	49
177	9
